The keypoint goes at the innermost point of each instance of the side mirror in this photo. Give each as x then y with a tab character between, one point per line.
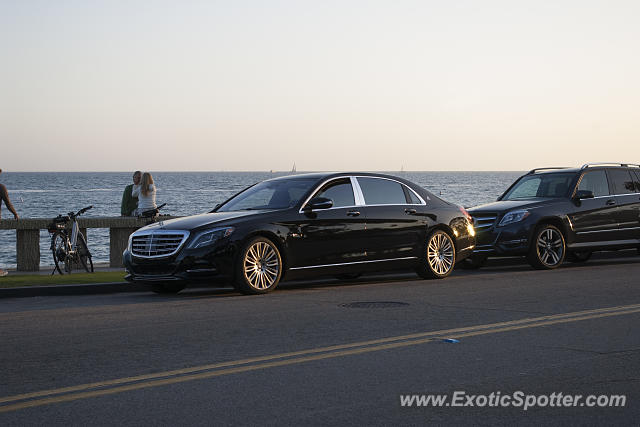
318	203
583	194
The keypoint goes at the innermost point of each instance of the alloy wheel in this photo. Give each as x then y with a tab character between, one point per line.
440	253
550	247
261	265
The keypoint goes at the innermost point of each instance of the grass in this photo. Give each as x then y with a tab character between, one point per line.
18	280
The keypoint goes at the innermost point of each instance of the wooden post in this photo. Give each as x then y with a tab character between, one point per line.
118	239
28	250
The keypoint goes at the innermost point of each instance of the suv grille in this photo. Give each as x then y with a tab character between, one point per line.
157	243
484	220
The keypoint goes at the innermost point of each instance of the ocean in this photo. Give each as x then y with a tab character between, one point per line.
47	194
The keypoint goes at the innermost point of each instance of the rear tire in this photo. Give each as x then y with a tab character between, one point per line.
84	255
259	267
438	256
548	248
579	256
167	288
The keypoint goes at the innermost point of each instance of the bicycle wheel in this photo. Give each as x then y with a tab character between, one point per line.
83	254
60	251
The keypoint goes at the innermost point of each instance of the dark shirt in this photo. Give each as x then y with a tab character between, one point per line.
129	203
4	197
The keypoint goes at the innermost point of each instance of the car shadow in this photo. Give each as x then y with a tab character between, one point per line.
493	266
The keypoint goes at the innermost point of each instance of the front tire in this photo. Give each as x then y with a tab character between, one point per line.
439	256
60	251
259	267
548	249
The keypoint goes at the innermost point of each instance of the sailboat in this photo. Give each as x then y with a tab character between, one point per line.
293	169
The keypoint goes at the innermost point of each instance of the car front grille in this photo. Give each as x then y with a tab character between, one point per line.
484	220
157	244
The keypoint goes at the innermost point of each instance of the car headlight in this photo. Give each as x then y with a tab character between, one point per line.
209	237
513	216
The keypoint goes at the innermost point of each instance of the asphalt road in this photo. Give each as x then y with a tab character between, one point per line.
330	352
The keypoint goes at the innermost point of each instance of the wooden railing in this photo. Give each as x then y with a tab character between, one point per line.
28	236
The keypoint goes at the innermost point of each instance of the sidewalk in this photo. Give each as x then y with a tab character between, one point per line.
75	289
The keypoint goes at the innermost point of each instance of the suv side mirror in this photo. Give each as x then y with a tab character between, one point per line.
584	194
319	203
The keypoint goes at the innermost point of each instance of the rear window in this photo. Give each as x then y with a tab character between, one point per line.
622	181
377	191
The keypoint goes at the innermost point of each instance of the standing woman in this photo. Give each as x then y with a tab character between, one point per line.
146	194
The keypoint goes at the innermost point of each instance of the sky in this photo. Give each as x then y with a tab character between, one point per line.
328	85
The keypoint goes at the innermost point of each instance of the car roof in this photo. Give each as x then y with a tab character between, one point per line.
328	175
541	171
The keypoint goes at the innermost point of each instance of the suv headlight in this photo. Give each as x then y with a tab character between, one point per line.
209	237
513	216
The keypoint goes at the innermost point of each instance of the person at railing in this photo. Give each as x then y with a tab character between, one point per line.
146	194
4	197
130	203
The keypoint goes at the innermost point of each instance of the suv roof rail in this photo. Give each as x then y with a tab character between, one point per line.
532	171
588	165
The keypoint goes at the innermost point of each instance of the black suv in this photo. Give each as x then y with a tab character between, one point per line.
551	214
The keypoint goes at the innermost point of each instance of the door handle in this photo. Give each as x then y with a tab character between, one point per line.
611	202
410	211
353	213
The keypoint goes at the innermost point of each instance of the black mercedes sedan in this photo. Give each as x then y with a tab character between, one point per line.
307	225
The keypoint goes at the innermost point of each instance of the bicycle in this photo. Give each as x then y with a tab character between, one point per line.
152	213
69	249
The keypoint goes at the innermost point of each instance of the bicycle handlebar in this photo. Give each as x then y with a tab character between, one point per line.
80	212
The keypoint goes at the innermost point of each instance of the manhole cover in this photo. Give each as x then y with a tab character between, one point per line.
374	304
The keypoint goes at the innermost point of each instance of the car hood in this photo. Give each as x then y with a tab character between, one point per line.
508	205
196	221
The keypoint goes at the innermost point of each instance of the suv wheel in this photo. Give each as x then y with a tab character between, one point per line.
259	267
579	256
548	249
439	256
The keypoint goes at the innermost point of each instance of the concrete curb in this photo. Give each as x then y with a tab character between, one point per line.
86	289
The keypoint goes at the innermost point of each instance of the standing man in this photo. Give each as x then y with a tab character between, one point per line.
130	203
4	197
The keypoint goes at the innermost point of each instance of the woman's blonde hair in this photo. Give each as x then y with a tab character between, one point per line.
145	182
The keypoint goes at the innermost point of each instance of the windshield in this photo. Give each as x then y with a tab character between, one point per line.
542	185
276	194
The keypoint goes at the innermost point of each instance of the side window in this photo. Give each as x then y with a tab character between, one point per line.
595	181
622	182
377	191
635	175
411	196
340	191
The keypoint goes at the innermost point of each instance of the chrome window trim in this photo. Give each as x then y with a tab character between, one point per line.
423	203
354	262
185	237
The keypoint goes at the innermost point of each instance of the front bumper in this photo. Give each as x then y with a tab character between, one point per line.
188	265
510	240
